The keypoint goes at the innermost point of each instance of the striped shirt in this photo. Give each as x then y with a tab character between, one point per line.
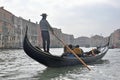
44	25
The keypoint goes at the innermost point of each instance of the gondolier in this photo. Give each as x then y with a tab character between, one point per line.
45	28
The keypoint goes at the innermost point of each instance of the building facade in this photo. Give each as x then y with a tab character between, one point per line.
7	29
53	40
115	39
12	30
97	40
68	39
82	41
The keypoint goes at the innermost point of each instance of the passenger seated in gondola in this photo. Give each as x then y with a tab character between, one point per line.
78	50
93	52
67	51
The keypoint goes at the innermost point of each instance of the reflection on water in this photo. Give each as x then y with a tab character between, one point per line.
60	73
101	62
16	65
52	73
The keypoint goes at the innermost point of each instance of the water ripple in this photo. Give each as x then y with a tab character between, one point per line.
16	65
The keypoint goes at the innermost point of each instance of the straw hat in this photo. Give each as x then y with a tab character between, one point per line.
43	14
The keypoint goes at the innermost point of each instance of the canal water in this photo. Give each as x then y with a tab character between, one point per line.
16	65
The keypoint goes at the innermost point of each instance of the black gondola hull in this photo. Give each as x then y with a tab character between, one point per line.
56	61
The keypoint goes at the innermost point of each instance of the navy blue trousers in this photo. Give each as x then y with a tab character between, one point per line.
46	40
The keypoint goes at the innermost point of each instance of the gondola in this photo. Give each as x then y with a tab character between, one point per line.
57	61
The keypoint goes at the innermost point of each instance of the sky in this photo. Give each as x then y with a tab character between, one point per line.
75	17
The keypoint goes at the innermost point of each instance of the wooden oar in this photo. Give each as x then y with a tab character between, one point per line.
71	51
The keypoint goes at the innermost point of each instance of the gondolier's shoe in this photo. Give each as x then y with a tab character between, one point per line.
47	52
